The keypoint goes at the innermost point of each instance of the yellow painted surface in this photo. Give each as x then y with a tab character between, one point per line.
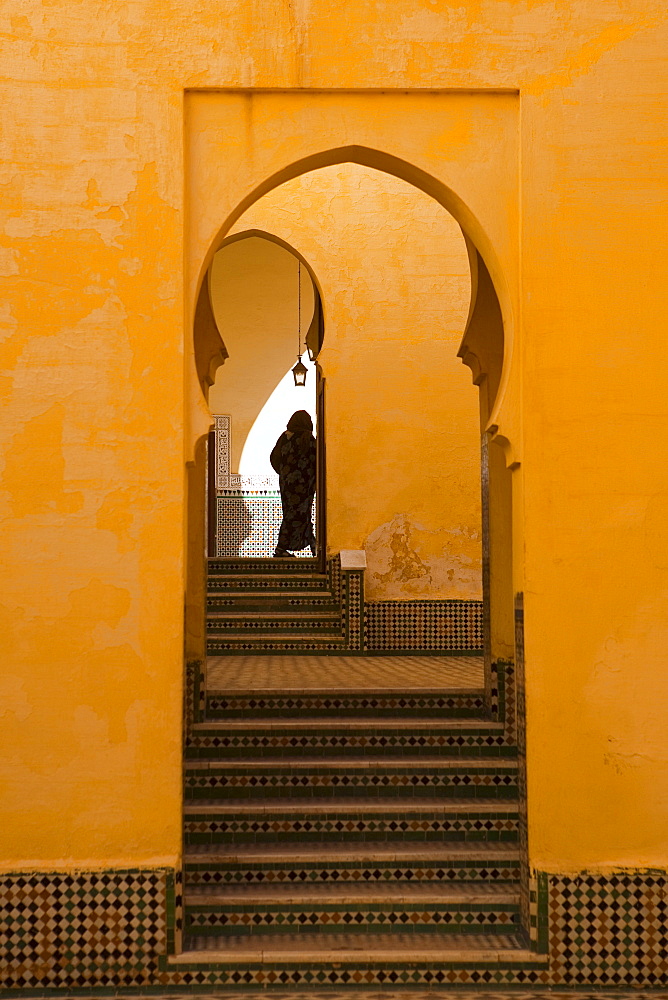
402	428
254	296
562	189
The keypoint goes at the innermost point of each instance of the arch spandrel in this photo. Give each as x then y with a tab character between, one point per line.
459	148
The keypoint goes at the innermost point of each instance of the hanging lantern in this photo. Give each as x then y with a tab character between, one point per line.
300	370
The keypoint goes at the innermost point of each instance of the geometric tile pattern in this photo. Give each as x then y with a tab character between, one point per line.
109	929
421	626
436	972
201	874
228	706
457	993
270	586
241	625
72	930
319	780
204	828
327	744
610	930
237	570
347	622
253	609
223	432
518	704
267	644
248	522
352	604
462	919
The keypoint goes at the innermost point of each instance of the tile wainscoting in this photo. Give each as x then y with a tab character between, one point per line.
423	626
85	929
84	933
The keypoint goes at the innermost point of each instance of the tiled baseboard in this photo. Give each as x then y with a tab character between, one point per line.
423	626
69	931
66	933
609	930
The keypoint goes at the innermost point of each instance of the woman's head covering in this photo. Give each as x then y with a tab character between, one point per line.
300	422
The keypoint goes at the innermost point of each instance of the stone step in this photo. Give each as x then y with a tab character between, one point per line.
401	958
348	737
363	862
363	909
373	704
305	779
241	821
406	893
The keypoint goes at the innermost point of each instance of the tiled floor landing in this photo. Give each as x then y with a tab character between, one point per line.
354	673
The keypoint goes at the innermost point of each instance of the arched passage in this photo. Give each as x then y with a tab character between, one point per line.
474	177
477	187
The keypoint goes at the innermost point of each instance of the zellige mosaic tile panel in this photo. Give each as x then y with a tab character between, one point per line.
414	626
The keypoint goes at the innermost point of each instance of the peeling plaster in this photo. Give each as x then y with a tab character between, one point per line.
406	560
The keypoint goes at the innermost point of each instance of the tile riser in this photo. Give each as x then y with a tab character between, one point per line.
324	874
403	798
290	919
312	588
270	747
266	605
272	755
222	706
404	786
219	647
265	567
245	629
221	714
397	832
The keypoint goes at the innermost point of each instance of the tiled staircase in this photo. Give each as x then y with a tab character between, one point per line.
272	605
345	836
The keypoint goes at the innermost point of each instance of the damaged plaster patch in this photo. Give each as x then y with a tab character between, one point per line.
391	554
408	561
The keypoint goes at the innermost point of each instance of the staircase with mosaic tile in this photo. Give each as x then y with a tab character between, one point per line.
339	835
273	605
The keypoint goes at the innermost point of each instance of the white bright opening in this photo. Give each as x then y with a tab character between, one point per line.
271	421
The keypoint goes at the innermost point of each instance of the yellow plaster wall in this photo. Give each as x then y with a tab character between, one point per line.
90	503
254	289
402	427
91	487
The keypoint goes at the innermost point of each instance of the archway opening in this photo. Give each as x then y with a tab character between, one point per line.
493	336
265	304
343	420
404	448
494	333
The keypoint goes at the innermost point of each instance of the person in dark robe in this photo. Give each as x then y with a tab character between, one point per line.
294	459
